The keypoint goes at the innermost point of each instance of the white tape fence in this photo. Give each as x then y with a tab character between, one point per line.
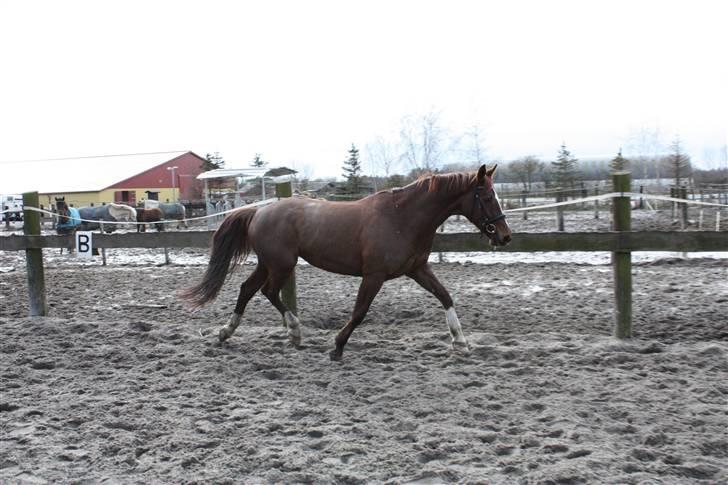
582	200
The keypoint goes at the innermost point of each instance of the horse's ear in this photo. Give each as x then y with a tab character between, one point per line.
481	175
491	171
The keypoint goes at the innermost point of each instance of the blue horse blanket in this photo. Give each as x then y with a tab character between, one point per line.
73	220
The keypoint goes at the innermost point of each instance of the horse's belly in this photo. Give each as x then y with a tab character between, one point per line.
333	261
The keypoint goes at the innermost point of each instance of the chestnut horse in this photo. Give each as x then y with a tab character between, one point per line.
149	216
384	236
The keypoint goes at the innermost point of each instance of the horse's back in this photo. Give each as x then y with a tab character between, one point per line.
173	211
324	233
121	212
92	213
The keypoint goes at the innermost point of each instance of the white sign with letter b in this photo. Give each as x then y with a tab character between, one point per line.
84	244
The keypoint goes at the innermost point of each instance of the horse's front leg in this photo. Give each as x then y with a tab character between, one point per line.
368	289
427	280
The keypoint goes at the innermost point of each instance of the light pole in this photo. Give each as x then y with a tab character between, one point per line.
174	186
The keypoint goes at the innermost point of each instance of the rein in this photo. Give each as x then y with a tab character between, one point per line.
487	226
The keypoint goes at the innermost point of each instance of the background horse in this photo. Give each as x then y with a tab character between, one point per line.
106	213
381	237
72	219
69	218
149	215
174	211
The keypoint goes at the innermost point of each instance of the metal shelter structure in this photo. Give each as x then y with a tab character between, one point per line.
277	175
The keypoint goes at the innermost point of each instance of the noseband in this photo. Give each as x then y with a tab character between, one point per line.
487	226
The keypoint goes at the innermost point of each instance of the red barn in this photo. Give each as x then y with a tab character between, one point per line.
174	179
111	178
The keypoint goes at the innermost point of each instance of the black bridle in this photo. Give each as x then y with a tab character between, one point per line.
487	226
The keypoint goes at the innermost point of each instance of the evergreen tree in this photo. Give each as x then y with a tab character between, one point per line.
352	171
619	163
678	162
565	168
258	162
212	162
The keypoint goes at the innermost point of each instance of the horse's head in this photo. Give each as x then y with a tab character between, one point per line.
482	208
61	206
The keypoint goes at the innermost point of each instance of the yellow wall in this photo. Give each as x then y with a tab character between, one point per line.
76	199
85	199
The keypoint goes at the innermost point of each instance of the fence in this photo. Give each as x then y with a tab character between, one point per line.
715	195
621	242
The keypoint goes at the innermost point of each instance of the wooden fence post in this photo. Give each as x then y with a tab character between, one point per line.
524	203
642	200
34	258
560	197
622	260
288	292
683	208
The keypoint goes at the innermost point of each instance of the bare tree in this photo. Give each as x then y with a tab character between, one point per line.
646	144
303	177
422	139
715	156
382	155
525	168
475	149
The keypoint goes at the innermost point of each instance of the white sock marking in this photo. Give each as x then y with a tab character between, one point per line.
293	324
453	323
227	330
234	322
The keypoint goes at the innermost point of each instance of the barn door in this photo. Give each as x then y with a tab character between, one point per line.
127	197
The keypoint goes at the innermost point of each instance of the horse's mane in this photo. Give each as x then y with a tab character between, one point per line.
448	182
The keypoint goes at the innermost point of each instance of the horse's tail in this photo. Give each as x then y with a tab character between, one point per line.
230	245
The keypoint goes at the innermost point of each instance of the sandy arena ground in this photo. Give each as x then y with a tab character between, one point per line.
121	384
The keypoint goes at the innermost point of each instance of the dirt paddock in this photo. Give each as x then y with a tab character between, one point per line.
121	384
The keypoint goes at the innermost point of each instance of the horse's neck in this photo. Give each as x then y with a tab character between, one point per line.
428	210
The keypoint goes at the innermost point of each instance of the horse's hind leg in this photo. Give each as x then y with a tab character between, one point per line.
271	289
249	287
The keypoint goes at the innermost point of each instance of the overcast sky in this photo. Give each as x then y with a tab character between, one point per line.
299	81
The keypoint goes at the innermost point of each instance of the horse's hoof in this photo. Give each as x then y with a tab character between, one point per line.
224	334
461	348
295	340
335	355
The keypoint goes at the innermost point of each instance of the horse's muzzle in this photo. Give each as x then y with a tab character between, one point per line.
498	240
